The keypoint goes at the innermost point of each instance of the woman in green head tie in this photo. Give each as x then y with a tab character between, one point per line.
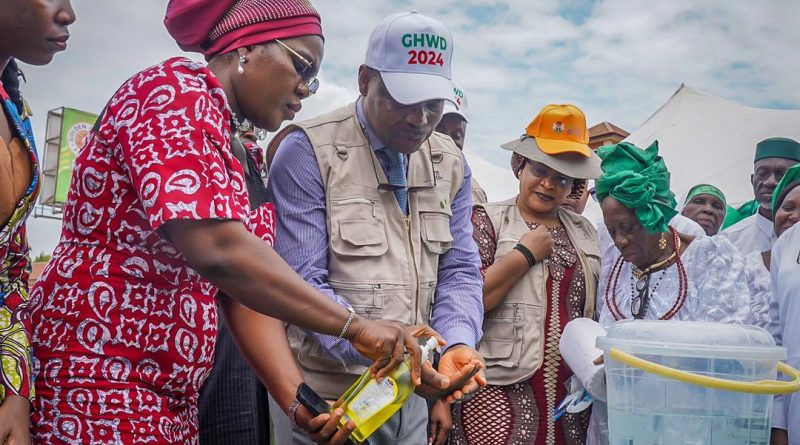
705	205
658	272
786	201
785	206
661	273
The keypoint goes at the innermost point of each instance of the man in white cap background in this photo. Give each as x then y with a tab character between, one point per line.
374	210
454	124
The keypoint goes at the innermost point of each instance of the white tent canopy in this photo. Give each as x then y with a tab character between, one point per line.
499	183
706	139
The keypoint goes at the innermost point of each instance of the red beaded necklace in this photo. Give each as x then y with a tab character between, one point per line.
616	272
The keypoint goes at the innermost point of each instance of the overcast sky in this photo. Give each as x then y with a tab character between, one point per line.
618	60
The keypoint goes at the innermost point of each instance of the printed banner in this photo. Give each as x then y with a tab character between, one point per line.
75	128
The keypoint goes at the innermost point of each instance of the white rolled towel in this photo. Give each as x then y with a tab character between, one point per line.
577	346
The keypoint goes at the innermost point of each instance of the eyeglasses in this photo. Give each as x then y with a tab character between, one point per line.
303	66
641	300
542	172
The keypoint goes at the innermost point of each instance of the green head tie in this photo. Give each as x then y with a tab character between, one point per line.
706	189
639	180
791	176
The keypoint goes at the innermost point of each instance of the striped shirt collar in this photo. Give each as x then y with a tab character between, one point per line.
374	140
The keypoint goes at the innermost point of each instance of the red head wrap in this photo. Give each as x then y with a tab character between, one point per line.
217	26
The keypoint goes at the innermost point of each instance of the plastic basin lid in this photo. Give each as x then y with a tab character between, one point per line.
692	339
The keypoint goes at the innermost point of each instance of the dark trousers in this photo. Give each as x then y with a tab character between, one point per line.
234	405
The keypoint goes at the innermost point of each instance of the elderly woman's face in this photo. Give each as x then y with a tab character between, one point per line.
631	238
34	30
706	210
542	189
271	87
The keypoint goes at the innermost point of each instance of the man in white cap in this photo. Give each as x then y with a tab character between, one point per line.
374	210
454	124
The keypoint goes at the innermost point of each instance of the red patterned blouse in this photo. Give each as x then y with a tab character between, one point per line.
124	328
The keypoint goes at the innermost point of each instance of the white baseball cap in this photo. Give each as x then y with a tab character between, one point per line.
459	104
413	54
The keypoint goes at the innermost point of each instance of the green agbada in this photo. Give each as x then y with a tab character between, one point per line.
734	215
639	180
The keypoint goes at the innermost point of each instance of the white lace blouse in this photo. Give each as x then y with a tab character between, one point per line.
723	286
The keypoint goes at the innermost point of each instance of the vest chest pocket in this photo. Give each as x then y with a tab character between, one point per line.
436	232
498	343
434	217
357	228
504	334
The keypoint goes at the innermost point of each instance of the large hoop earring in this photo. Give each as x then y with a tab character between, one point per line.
240	68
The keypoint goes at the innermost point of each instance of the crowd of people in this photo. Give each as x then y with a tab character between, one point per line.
351	238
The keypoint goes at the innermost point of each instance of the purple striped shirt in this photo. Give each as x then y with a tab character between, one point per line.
296	185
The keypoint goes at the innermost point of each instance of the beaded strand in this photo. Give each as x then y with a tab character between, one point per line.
616	272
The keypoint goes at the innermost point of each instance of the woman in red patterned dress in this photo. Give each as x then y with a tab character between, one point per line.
540	264
157	221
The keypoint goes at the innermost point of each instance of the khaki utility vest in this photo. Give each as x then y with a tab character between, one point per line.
514	331
478	195
383	262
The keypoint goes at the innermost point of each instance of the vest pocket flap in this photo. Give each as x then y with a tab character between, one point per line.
501	342
437	227
360	237
436	232
435	200
588	247
495	348
361	232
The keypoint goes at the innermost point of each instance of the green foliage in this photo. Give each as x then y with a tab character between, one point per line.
42	257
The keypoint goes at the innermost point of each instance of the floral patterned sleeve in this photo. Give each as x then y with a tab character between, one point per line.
15	325
484	236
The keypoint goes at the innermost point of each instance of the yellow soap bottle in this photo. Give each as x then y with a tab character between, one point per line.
369	403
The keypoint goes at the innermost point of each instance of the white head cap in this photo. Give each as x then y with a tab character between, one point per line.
413	54
459	104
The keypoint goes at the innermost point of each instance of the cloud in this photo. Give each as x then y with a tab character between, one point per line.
617	59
